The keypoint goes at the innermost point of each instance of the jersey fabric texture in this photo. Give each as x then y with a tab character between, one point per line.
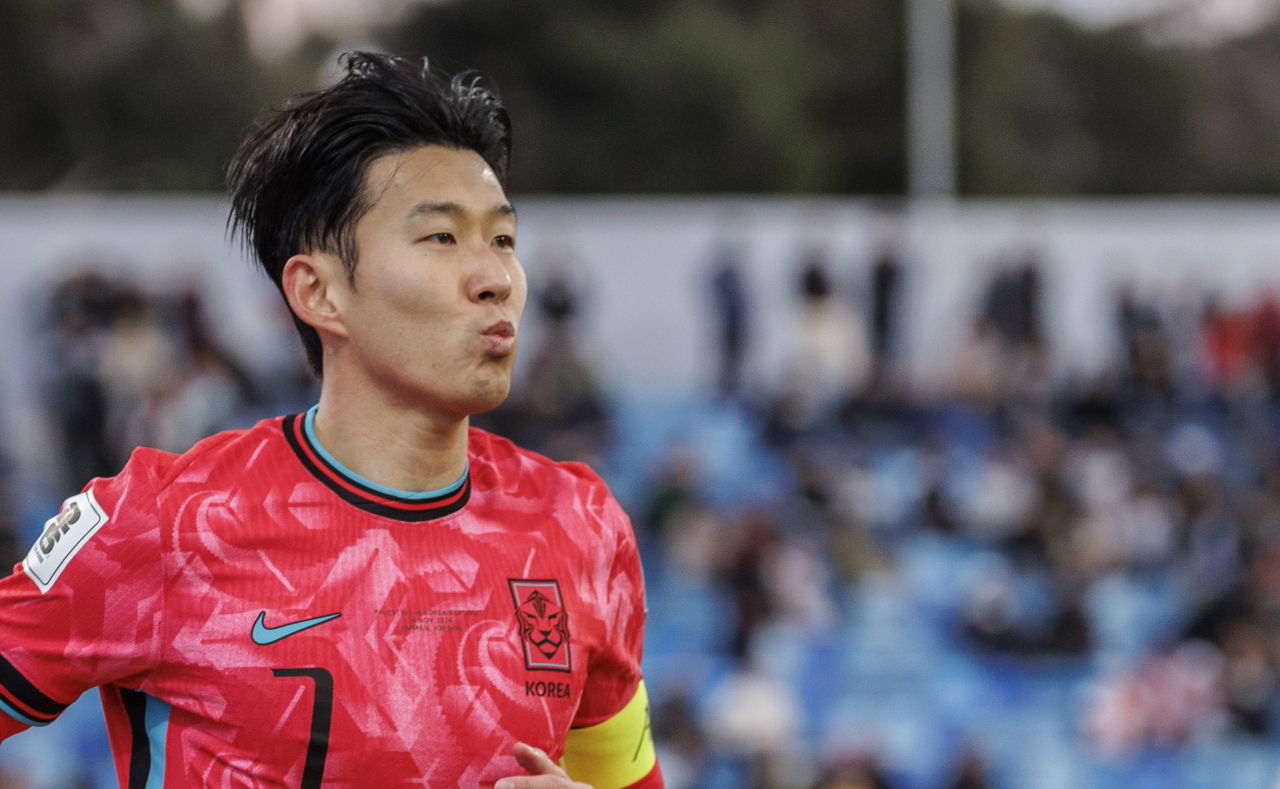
255	615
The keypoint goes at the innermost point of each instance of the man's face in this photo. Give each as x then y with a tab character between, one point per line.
438	290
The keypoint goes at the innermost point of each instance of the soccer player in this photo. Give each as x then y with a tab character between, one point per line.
369	594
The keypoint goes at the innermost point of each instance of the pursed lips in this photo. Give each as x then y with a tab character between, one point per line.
500	338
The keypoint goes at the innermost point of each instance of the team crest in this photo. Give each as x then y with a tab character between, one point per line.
544	624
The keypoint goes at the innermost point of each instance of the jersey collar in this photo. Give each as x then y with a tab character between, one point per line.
367	495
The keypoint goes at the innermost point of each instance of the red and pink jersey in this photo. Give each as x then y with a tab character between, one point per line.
256	616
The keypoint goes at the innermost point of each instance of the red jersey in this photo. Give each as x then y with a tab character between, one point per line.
255	615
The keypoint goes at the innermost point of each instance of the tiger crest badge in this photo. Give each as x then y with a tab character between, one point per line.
544	624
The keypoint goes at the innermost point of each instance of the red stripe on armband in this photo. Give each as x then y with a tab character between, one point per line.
651	781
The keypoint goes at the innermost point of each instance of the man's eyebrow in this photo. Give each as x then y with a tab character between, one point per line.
427	207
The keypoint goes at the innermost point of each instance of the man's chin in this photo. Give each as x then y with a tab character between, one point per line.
489	397
480	409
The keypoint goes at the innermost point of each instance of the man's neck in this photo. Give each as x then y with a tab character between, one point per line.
390	443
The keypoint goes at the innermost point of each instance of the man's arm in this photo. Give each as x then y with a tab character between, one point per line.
617	753
63	627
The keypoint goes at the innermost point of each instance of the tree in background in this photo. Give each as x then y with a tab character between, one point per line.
1048	107
686	95
658	96
129	94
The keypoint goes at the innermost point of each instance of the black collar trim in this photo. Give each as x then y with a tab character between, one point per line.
354	492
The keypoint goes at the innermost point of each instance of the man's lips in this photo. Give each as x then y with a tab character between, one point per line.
500	338
501	329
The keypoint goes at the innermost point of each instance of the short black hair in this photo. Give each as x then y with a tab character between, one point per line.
297	182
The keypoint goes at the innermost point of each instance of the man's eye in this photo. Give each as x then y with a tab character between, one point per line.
506	242
440	238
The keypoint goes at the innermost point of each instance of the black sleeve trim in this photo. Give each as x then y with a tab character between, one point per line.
21	689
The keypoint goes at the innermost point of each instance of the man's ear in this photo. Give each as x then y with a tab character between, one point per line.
315	286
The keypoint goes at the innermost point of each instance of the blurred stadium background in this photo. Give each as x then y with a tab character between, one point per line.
934	351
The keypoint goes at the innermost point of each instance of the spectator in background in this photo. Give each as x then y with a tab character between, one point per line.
1226	342
886	284
690	533
848	758
1264	341
745	574
1003	366
1214	568
80	313
730	300
1249	677
757	718
204	391
1183	322
680	742
1056	510
11	549
1013	304
1164	701
673	494
829	358
972	773
882	401
1014	308
997	502
133	368
1147	351
860	773
979	372
138	356
1100	476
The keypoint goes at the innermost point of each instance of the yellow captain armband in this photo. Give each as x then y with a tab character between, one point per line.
615	753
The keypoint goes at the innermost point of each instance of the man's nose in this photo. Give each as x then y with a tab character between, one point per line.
490	280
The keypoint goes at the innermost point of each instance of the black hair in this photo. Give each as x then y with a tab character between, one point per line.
297	182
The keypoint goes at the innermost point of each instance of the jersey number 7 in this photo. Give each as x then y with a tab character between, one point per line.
321	714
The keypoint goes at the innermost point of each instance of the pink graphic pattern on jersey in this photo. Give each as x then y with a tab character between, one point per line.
429	679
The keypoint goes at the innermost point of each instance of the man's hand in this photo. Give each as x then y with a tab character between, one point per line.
543	773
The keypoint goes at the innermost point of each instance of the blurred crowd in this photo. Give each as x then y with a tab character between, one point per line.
1124	526
126	367
839	543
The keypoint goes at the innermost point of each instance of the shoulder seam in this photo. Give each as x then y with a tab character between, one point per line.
187	458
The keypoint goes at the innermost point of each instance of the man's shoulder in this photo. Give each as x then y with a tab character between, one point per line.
513	464
229	450
570	492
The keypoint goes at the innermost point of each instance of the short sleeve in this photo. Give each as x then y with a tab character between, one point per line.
614	672
84	608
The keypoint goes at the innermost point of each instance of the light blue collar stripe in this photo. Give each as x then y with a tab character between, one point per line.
308	424
19	717
156	719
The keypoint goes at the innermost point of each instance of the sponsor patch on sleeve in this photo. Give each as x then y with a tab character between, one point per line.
63	535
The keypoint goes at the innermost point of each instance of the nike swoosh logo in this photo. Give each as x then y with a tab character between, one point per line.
263	635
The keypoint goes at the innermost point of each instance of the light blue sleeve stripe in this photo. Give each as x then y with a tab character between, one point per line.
156	719
18	716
